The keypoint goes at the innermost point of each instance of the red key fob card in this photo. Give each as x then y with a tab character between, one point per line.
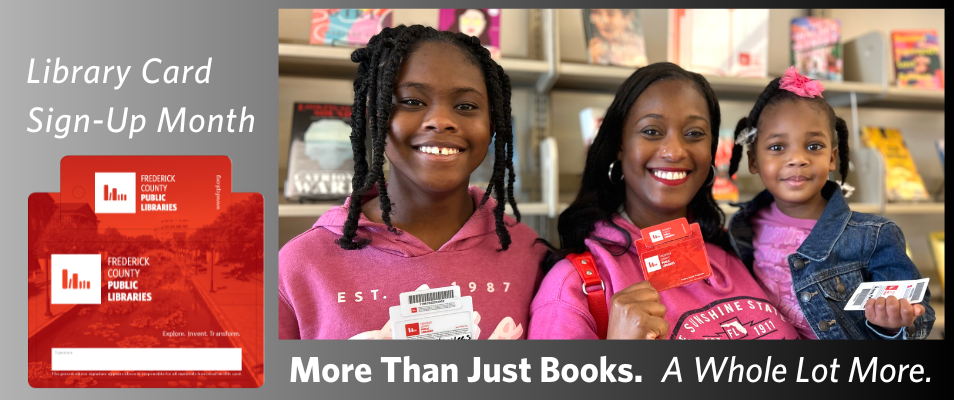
673	254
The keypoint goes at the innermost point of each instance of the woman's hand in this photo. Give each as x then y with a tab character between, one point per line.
636	313
891	314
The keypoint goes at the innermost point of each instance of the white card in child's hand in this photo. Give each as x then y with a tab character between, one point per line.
911	290
441	324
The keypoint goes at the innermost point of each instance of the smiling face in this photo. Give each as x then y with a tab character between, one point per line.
793	152
666	150
440	125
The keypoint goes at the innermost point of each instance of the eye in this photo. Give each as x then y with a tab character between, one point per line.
651	132
411	102
466	107
816	146
776	147
695	134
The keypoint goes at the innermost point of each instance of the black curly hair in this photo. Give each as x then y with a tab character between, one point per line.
599	198
774	95
378	66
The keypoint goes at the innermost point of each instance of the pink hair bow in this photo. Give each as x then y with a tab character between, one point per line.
800	84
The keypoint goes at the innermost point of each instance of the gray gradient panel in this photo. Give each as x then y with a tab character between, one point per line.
240	37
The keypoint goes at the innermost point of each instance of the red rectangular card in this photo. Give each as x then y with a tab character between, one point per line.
673	254
147	192
167	306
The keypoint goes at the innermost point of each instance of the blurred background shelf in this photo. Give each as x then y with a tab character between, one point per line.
335	62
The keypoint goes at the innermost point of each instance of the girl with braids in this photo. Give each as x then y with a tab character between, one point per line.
430	102
651	162
806	248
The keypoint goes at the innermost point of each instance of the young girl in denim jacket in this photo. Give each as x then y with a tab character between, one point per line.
806	248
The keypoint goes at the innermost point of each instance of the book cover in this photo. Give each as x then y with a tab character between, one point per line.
721	42
724	188
590	120
483	23
817	49
347	26
902	180
916	60
937	247
320	160
614	37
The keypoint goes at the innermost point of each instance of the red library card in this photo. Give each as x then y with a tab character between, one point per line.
148	191
155	306
673	254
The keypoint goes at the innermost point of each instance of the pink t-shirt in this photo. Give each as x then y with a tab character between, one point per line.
729	305
326	292
776	236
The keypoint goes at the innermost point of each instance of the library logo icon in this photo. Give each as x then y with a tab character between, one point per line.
652	264
76	279
655	236
115	193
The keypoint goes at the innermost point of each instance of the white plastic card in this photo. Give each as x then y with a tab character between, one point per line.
440	324
428	300
912	290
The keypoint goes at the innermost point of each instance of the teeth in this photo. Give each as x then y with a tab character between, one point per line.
669	175
445	151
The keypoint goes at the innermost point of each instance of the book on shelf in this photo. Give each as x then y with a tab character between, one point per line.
902	180
320	160
723	187
721	42
590	120
347	26
937	247
614	37
483	23
481	176
817	49
917	62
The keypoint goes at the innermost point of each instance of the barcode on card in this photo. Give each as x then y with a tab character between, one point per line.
420	298
917	291
861	298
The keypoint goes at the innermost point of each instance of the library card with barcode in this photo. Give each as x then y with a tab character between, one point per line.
912	290
440	324
428	300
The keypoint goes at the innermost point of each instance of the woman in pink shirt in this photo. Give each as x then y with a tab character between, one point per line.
651	163
431	102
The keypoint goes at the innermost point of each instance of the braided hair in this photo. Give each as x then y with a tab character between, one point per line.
774	95
599	198
378	67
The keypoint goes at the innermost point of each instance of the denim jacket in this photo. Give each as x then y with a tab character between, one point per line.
844	249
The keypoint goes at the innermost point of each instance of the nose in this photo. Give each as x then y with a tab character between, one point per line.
440	119
797	159
672	148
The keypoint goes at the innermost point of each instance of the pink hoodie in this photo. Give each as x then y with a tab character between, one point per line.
728	305
326	292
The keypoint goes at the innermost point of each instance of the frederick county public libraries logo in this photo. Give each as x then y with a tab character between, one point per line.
115	193
76	279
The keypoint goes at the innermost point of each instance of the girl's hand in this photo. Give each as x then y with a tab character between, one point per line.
889	313
636	313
